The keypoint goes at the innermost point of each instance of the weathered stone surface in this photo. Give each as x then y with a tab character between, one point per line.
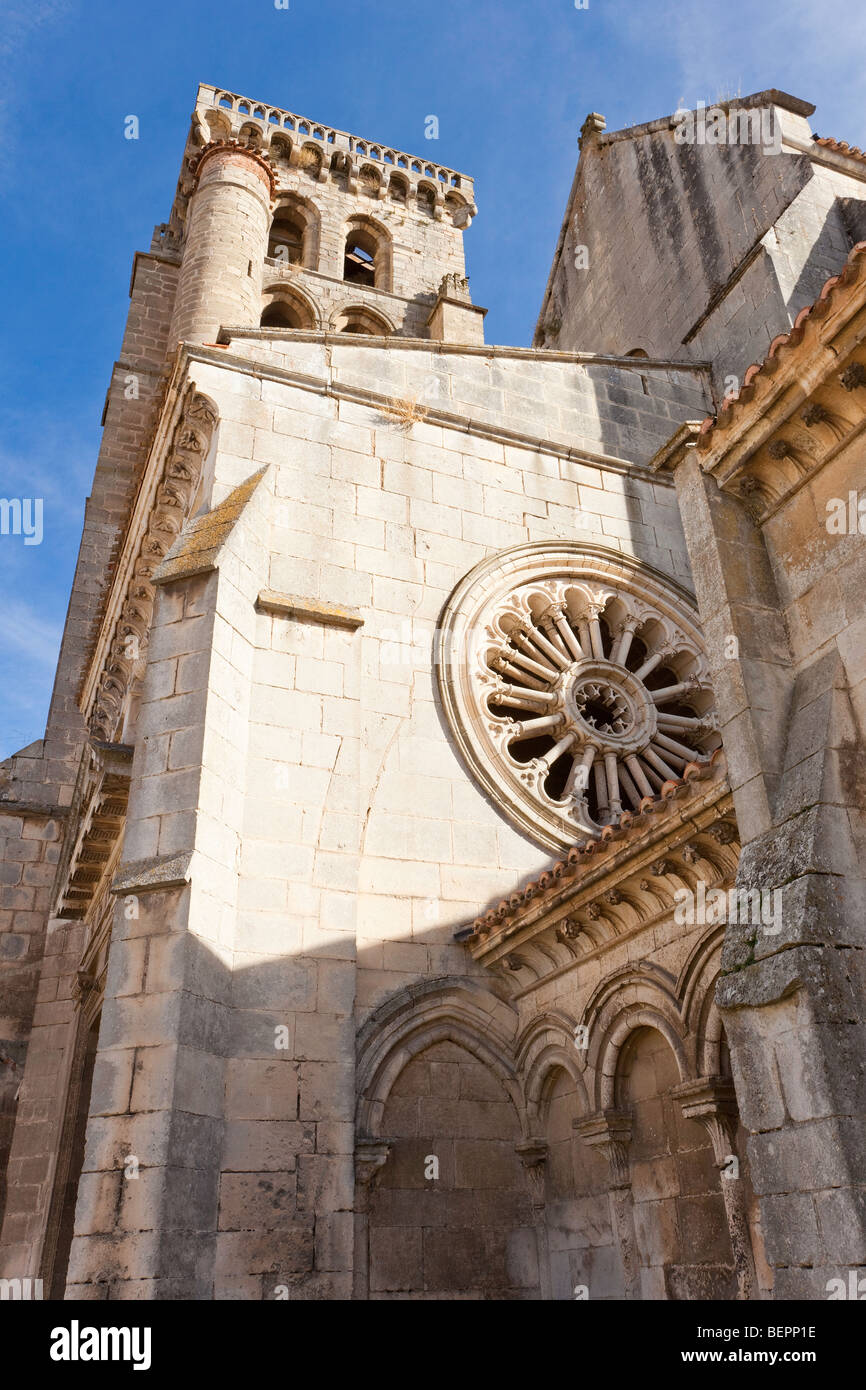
321	1091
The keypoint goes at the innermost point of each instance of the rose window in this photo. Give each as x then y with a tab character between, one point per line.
576	684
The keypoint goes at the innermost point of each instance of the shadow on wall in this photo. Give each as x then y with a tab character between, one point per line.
235	1095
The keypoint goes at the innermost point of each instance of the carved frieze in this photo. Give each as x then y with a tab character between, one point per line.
173	499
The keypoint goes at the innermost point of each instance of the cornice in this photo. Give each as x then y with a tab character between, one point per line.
93	833
797	409
613	887
233	147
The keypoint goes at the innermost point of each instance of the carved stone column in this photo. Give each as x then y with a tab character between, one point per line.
533	1154
610	1131
712	1102
371	1155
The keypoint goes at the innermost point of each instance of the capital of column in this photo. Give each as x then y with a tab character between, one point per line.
609	1131
371	1155
533	1154
712	1101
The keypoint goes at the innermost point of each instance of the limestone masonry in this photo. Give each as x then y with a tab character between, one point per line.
441	874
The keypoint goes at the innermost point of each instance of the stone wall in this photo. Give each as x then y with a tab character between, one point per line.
781	576
698	251
302	836
466	1232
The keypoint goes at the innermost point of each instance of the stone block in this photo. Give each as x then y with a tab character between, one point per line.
266	1145
395	1259
257	1202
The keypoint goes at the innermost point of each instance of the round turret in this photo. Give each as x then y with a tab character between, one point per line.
227	235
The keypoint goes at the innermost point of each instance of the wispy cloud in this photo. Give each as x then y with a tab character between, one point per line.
740	48
20	20
25	632
29	644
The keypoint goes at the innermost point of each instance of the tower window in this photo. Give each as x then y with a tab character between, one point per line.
288	311
359	265
367	254
294	235
359	319
286	242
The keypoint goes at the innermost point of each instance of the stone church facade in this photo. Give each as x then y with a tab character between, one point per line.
441	873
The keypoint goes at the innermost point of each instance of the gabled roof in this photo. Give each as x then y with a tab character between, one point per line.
594	136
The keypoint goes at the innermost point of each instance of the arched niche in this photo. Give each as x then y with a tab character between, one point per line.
357	318
450	1212
683	1240
288	309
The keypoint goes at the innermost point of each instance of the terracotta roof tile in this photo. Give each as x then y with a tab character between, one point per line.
840	147
849	274
629	824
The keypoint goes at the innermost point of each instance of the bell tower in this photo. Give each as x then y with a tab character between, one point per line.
290	225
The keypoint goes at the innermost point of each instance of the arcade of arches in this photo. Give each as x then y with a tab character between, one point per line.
491	1177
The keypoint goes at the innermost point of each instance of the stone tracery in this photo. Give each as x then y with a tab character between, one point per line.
581	687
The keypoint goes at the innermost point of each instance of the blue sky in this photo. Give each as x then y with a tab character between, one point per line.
510	83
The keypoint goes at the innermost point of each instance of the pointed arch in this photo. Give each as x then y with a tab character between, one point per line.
412	1021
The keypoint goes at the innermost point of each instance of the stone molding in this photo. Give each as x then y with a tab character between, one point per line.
98	815
172	500
588	901
153	875
309	610
796	410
